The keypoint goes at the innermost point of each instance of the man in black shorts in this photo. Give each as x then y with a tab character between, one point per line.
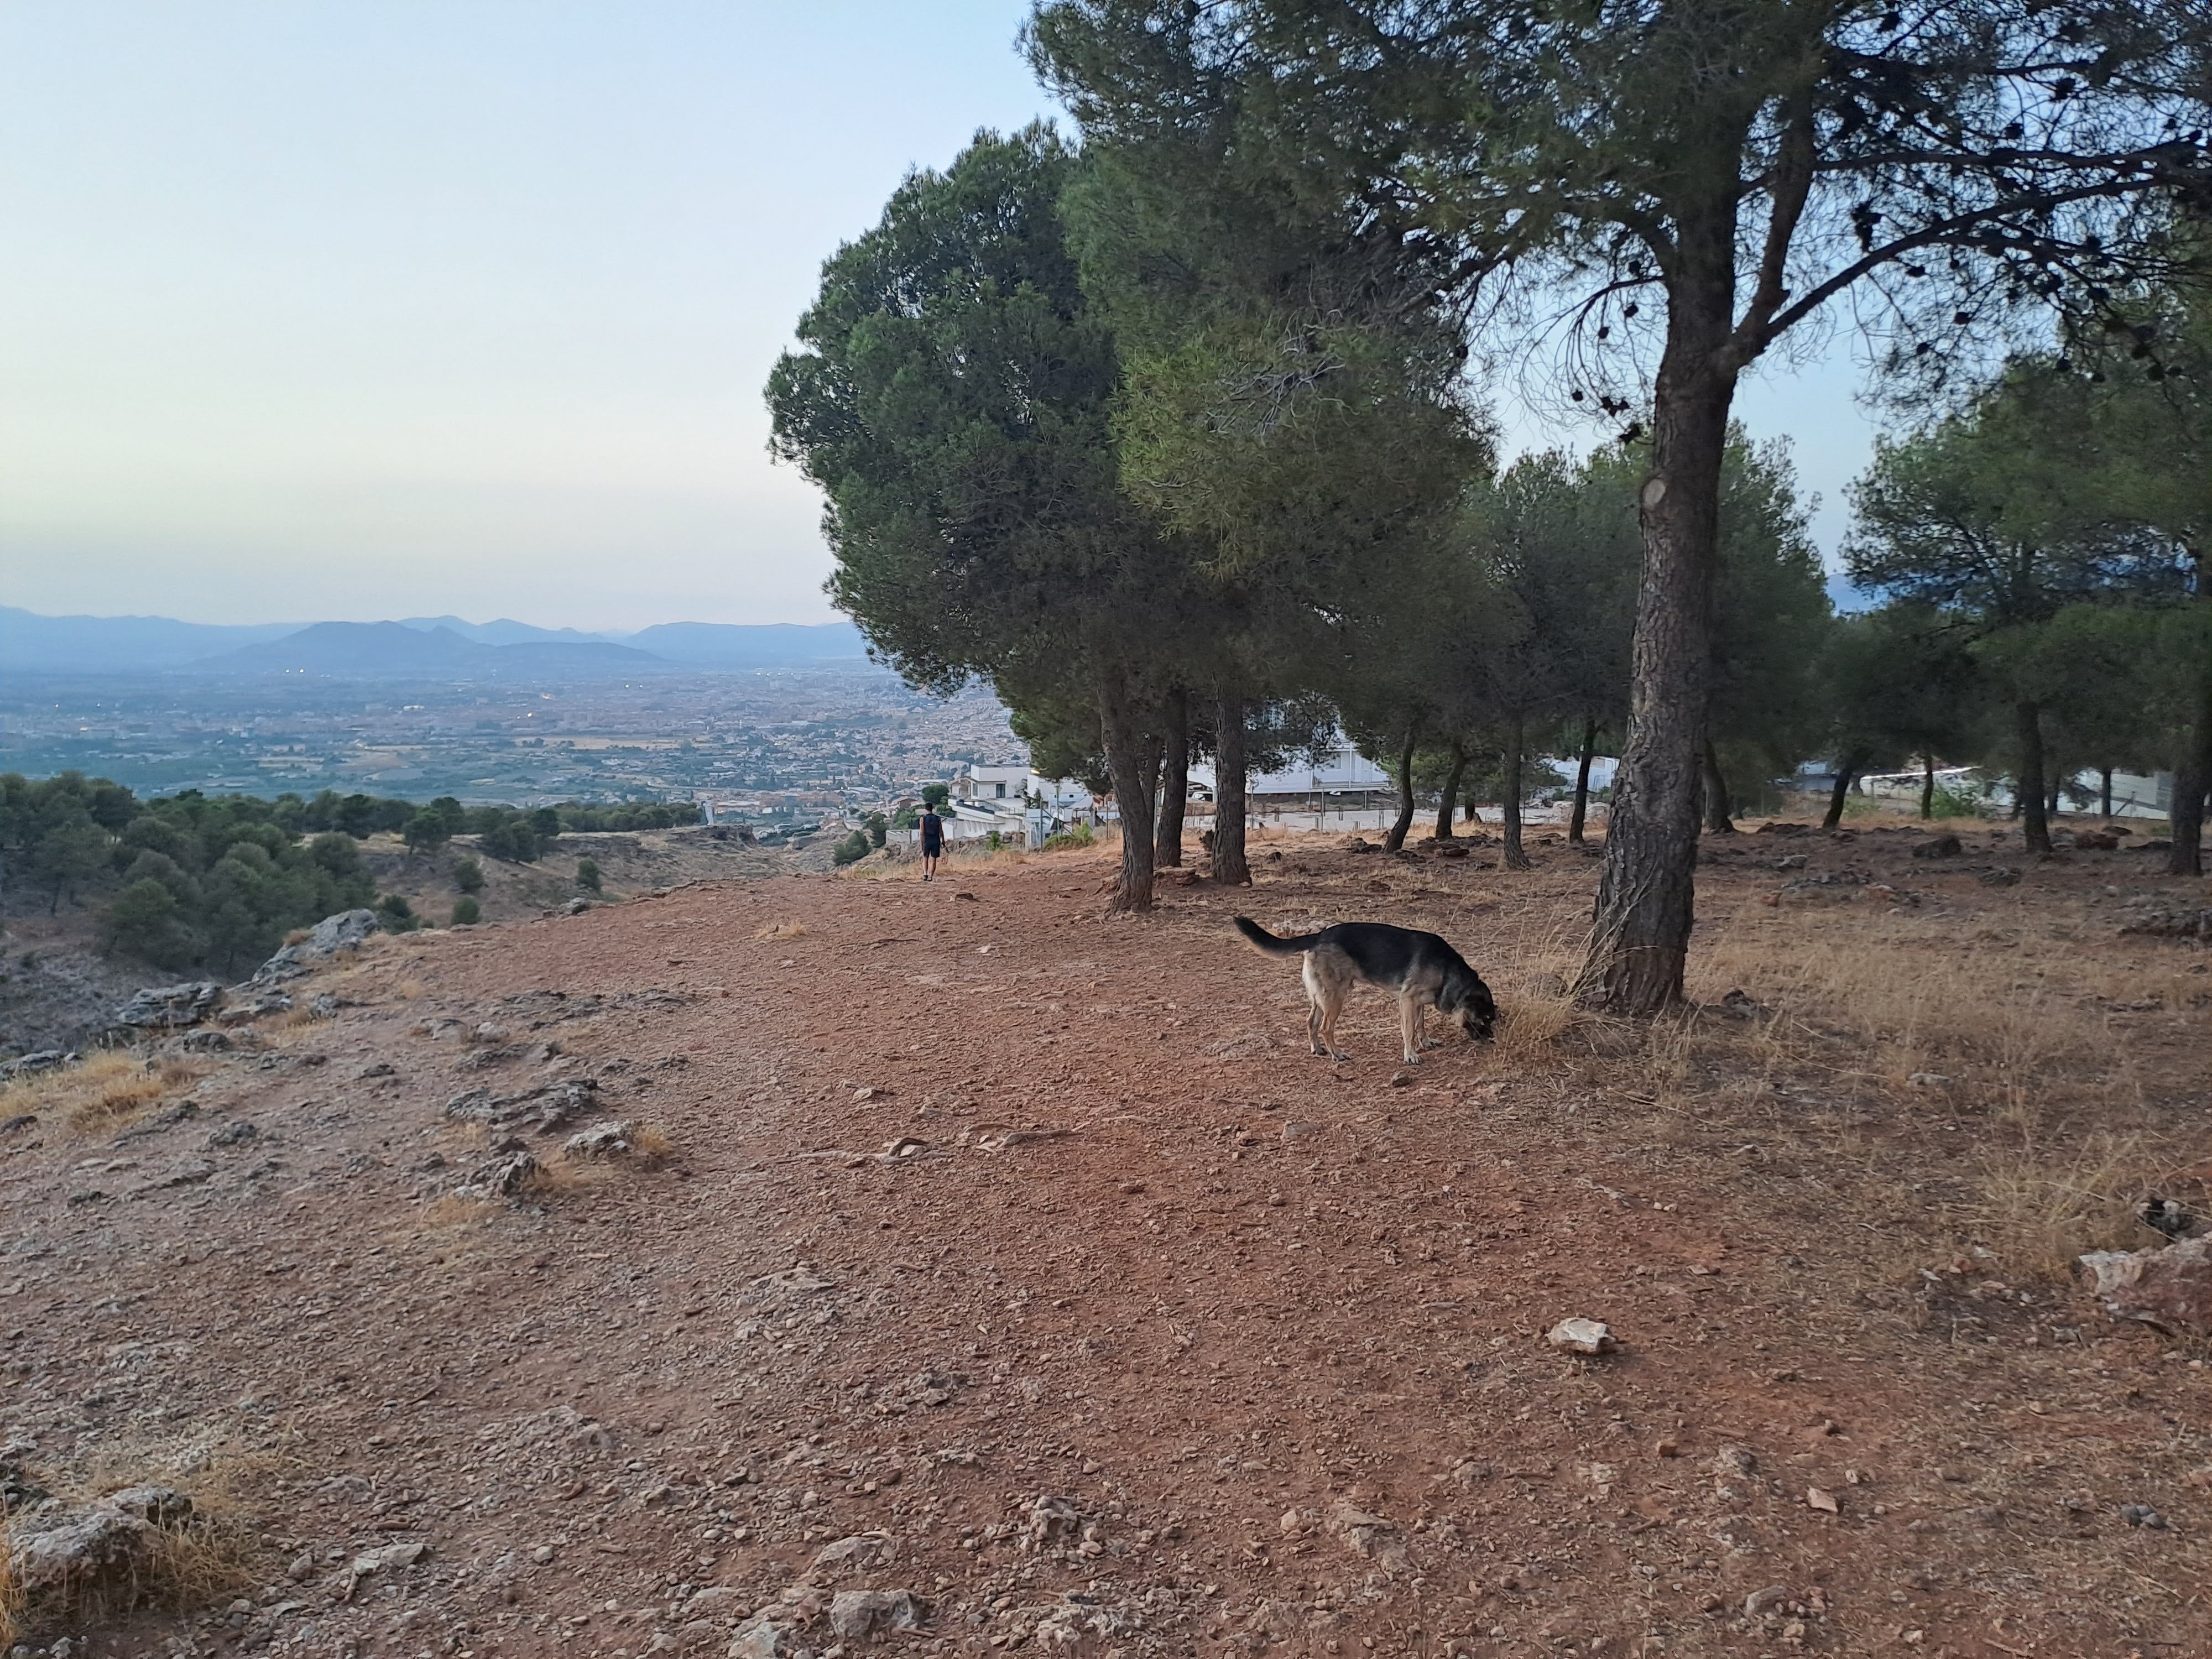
932	840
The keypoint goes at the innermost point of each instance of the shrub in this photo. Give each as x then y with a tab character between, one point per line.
879	828
468	876
466	910
1963	801
936	794
1079	835
852	850
588	875
398	916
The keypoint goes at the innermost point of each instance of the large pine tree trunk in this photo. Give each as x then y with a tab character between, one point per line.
1448	809
1640	935
2034	810
1175	779
1517	856
1231	866
1928	786
2105	791
1131	771
1395	837
1579	817
1720	814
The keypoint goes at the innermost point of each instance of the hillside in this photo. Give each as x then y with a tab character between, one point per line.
980	1250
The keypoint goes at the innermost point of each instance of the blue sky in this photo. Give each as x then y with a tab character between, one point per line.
312	310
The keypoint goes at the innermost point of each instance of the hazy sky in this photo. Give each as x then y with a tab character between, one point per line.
385	308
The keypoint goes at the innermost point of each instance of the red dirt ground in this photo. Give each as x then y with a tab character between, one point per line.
972	1198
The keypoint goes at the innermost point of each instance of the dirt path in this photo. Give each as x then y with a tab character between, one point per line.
973	1199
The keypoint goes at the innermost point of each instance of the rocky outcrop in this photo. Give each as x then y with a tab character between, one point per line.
171	1008
57	1555
344	931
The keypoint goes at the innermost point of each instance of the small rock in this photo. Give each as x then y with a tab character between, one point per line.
761	1638
601	1140
1998	875
1940	846
1816	1499
302	1567
1368	1535
2168	1286
1762	1602
2142	1514
542	1555
233	1134
856	1615
858	1552
1589	1336
718	1601
1734	1461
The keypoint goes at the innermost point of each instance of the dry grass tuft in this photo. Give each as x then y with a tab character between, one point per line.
650	1141
777	932
11	1593
409	990
201	1561
108	1091
1528	1026
2038	1206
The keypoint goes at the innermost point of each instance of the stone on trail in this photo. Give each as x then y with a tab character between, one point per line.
502	1177
2168	1286
855	1615
600	1140
1370	1535
1591	1336
1940	847
861	1551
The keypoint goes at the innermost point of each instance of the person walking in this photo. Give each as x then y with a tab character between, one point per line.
932	840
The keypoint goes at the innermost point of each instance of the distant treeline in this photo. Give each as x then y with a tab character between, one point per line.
194	880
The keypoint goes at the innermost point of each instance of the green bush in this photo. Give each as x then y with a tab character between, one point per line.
1963	802
878	828
936	794
1079	835
468	876
398	916
466	910
588	875
852	850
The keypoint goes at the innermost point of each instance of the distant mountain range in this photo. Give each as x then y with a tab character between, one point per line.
415	648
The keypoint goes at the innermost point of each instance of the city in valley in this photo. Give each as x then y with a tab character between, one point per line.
793	746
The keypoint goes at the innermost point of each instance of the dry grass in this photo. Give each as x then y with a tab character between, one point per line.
1885	1036
109	1091
409	990
11	1593
650	1141
777	932
202	1561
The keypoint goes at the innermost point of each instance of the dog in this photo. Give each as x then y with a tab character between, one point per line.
1423	971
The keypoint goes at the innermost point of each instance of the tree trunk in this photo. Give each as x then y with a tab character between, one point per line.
1845	776
2057	782
2105	791
1517	856
1230	868
1175	779
1449	805
2192	777
1581	813
1719	818
2035	820
1640	935
1395	837
1133	889
1927	787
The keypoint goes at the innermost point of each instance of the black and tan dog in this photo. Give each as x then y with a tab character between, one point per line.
1421	969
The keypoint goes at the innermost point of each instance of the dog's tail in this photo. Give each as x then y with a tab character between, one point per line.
1262	939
